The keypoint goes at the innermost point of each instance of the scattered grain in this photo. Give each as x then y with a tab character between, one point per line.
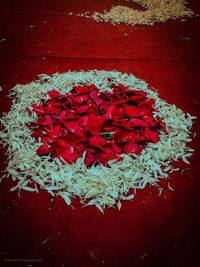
155	11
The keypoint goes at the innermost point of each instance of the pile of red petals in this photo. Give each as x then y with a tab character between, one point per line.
104	124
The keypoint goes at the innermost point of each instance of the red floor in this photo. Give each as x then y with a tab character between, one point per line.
149	231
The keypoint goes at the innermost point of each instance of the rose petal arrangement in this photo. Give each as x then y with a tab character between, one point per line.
93	135
104	124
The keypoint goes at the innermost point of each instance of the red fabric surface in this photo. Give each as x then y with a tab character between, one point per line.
149	230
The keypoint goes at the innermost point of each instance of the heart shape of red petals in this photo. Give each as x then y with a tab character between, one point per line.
104	124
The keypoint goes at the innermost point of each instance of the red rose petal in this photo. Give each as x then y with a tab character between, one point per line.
46	139
126	136
107	149
48	129
37	133
80	148
140	93
149	119
163	126
91	156
80	99
39	110
72	125
154	124
57	132
107	156
137	150
52	109
151	135
106	96
43	150
71	115
144	110
151	102
115	147
97	141
132	148
123	88
83	121
63	149
111	113
135	99
109	128
53	94
83	89
82	109
62	115
96	98
95	124
60	143
141	138
46	120
139	123
67	153
126	124
132	111
81	134
103	106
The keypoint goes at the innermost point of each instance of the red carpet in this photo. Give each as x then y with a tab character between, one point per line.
150	230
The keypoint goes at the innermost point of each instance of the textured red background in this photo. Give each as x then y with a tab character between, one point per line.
150	230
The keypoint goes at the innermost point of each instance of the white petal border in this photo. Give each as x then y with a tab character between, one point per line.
101	186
